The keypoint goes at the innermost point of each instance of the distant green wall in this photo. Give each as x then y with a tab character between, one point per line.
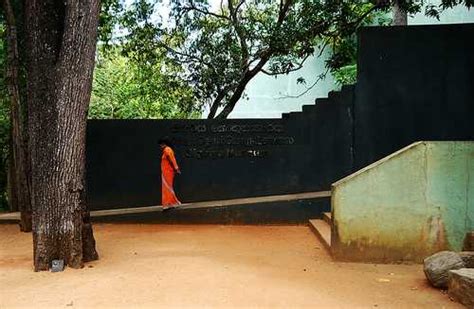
413	203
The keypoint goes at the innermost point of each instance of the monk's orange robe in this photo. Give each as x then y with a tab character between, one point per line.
168	170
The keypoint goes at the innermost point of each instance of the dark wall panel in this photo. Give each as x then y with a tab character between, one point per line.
414	83
219	159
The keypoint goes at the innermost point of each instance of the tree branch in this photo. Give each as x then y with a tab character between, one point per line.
284	6
300	65
246	78
326	43
204	12
186	55
363	16
239	5
320	77
217	101
240	32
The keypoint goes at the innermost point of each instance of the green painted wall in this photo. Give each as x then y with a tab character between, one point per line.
406	206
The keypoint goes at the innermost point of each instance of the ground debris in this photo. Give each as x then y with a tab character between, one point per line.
383	280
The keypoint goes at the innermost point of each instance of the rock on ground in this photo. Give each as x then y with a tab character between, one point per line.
461	286
468	258
437	266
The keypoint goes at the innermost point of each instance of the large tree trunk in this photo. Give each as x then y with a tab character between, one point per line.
62	37
11	186
239	90
400	16
20	190
229	107
215	105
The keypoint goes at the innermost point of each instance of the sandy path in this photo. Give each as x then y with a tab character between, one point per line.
208	266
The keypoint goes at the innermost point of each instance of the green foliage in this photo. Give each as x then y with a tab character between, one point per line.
223	50
132	78
435	10
343	60
124	89
416	6
346	75
108	19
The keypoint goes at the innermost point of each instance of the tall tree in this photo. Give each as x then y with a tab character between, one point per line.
61	41
19	175
223	47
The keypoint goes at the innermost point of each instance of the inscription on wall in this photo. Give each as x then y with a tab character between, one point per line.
221	141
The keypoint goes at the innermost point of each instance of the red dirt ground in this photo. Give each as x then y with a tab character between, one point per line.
208	266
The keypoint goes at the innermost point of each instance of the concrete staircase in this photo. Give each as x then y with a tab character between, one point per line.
400	186
336	99
322	229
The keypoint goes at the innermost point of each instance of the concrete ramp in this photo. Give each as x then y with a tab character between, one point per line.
410	204
274	209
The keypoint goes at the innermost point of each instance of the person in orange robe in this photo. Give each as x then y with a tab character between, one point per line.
168	169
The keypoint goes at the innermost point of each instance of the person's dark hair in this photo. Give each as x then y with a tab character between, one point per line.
165	141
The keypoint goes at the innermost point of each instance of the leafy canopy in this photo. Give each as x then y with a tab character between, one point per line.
125	89
132	78
220	49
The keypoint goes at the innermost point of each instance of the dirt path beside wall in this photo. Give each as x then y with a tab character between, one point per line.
208	266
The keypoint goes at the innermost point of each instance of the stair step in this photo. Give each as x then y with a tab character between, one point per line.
293	114
308	108
333	95
323	231
322	101
327	217
348	88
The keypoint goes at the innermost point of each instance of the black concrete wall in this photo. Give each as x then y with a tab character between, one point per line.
218	159
414	83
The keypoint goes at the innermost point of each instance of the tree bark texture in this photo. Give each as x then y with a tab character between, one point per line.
400	16
61	37
11	192
20	189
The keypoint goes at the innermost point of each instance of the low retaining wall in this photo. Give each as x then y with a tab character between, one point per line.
411	204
